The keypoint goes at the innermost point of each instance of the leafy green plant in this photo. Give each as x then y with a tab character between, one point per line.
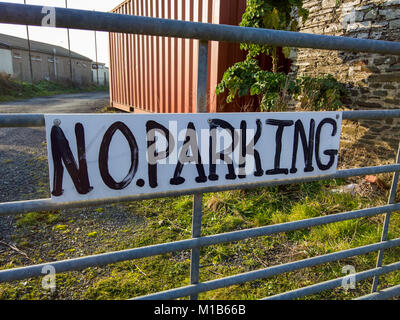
321	93
239	79
276	90
272	14
272	90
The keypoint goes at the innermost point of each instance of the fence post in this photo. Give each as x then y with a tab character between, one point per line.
198	198
385	230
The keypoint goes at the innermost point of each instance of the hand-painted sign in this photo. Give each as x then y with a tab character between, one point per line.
113	155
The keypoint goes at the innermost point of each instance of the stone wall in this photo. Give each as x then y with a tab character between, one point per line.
373	79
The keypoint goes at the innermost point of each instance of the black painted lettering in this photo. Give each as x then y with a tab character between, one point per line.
248	149
189	143
332	153
153	156
224	155
61	152
308	147
281	124
104	156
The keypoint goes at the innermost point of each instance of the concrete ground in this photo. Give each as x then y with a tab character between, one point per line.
63	103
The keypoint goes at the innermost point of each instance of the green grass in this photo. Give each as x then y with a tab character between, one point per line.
36	218
170	220
92	234
11	89
61	227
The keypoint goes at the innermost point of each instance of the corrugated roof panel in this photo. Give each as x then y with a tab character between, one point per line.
36	46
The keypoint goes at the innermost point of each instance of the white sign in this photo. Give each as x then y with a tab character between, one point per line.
93	156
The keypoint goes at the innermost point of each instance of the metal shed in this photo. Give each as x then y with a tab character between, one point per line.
43	56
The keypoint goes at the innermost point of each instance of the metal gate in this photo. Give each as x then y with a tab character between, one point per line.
79	19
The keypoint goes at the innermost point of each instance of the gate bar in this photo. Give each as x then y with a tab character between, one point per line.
385	230
268	272
112	22
383	294
371	114
17	207
331	284
143	252
16	120
202	69
196	233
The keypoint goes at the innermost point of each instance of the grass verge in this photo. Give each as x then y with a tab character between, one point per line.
170	220
11	90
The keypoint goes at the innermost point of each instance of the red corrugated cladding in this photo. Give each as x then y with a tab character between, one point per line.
158	74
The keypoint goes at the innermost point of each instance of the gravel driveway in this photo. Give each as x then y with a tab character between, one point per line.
23	153
24	176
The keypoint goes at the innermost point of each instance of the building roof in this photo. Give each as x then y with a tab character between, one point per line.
119	6
36	46
4	46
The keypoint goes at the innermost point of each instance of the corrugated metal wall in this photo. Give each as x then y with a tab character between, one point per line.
158	74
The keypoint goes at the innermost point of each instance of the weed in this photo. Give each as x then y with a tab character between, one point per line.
37	218
61	227
92	234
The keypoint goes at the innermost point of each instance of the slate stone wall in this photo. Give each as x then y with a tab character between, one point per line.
373	79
